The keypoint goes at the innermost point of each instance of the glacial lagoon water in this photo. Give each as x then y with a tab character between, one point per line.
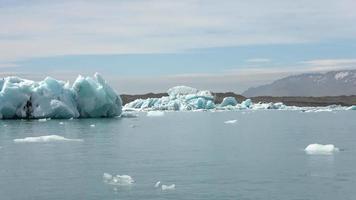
259	156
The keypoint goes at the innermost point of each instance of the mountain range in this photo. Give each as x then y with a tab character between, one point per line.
333	83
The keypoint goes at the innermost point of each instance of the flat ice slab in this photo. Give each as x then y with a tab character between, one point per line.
118	179
155	114
320	149
46	138
168	187
230	121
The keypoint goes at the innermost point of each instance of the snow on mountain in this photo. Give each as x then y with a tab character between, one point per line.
332	83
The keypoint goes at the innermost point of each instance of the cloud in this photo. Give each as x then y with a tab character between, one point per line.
7	65
50	28
330	64
258	60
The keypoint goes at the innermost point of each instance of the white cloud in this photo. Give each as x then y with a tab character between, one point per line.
258	60
48	28
330	64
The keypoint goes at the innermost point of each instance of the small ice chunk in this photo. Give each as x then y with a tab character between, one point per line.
107	176
43	120
169	187
61	123
351	108
155	114
127	114
46	138
118	179
157	184
320	149
230	121
92	125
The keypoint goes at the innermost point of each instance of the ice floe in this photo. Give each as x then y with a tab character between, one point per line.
129	114
50	98
92	125
168	187
320	149
230	121
118	180
46	138
155	114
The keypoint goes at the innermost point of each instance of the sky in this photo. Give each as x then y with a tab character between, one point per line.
144	46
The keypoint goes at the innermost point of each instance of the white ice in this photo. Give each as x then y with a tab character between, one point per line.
168	187
118	179
46	138
183	98
155	114
92	125
231	121
129	114
50	98
157	184
320	149
228	101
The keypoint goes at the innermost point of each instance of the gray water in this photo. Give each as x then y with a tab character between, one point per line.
259	157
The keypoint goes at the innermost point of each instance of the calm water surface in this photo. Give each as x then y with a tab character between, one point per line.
259	157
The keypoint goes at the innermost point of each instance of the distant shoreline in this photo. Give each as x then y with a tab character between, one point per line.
288	100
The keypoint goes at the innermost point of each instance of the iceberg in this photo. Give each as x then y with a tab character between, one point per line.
118	180
228	101
320	149
351	108
46	138
184	98
87	97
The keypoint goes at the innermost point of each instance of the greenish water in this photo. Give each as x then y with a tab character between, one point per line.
259	157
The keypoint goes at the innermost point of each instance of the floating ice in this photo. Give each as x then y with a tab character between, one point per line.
230	121
43	120
61	123
46	138
50	98
183	98
92	125
168	187
320	149
351	108
129	114
155	114
228	101
180	98
118	179
157	184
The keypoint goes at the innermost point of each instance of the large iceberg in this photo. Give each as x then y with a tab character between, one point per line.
50	98
180	98
183	98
